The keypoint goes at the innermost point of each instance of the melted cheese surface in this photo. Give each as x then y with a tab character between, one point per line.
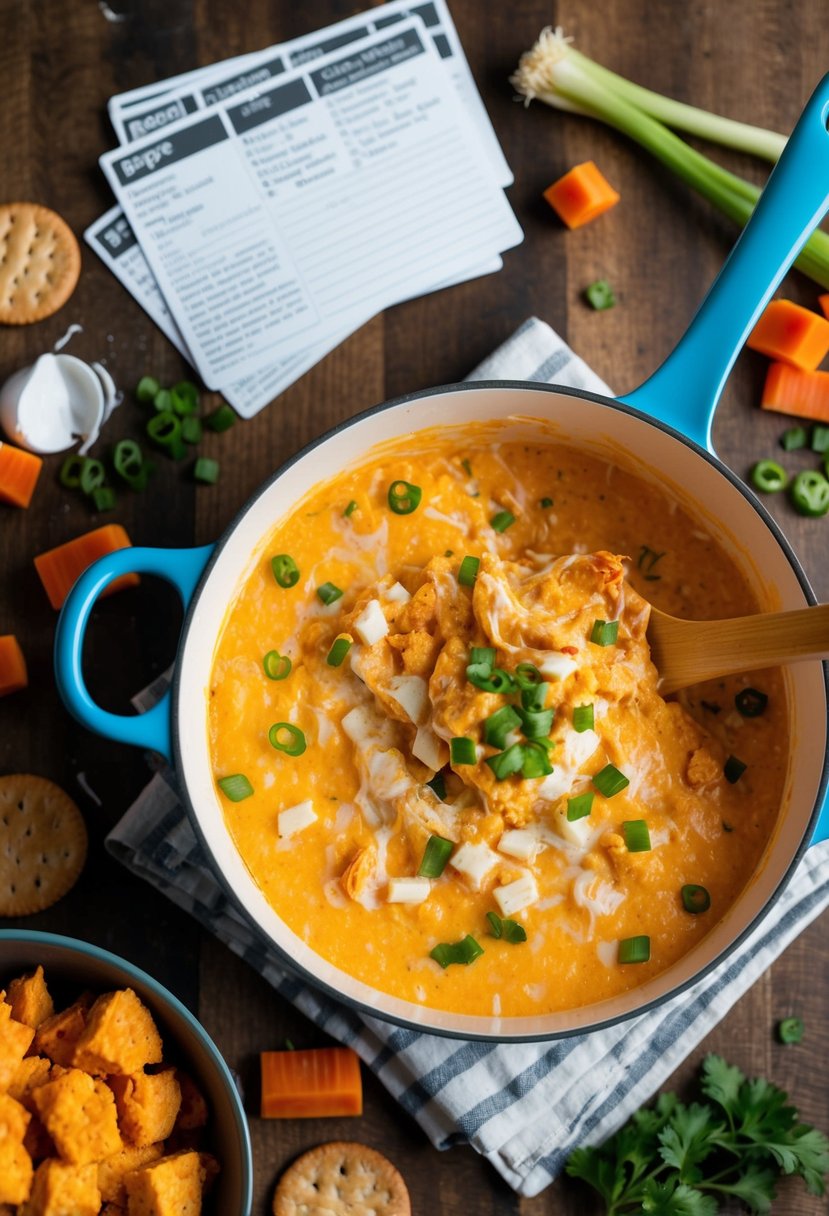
340	869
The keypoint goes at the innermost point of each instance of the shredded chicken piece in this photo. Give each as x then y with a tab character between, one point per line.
359	872
701	768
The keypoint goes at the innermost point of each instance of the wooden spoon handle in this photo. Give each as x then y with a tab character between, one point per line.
703	650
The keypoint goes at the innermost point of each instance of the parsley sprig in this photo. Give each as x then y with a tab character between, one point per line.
678	1160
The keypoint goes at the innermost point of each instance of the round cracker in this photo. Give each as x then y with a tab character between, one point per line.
42	844
40	261
342	1178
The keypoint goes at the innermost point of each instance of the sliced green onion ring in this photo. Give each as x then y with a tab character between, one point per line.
164	429
285	570
790	1030
582	718
221	419
468	571
328	593
184	398
435	856
536	723
236	787
604	633
403	497
810	493
695	898
794	438
489	679
769	477
205	469
637	837
104	498
350	509
635	949
600	295
527	676
509	930
277	666
93	475
147	389
535	761
293	745
338	651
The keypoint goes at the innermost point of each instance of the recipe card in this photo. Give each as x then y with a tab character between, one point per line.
145	111
295	212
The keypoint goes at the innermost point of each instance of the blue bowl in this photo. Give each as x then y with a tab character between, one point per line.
81	965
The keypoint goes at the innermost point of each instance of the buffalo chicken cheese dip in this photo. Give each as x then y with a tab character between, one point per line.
439	741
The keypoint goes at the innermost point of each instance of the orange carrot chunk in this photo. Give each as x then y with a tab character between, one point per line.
581	195
788	390
792	334
823	301
59	568
13	675
313	1084
19	472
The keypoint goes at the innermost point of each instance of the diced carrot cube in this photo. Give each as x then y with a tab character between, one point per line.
13	675
59	568
311	1084
823	301
789	390
581	195
791	334
19	472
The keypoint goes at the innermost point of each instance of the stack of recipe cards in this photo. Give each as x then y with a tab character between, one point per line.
271	204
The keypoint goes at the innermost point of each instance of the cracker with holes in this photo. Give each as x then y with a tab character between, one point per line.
341	1179
39	263
42	844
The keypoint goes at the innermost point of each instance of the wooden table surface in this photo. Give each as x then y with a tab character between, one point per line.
60	60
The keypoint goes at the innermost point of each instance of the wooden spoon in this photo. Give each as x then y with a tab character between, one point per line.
688	652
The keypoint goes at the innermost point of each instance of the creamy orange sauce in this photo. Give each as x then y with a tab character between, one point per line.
379	726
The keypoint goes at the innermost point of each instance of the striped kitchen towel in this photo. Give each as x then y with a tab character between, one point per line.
523	1106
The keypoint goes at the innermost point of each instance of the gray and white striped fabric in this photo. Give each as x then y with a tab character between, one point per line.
523	1106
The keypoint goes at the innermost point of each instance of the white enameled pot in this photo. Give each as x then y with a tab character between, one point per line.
662	431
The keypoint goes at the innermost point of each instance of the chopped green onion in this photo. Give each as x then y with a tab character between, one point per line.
733	769
509	930
206	470
482	654
600	295
438	786
221	419
604	633
236	787
295	743
527	676
467	467
635	949
403	497
184	398
468	571
536	723
328	593
769	477
750	702
534	699
350	509
504	764
70	471
794	438
338	651
489	679
191	430
164	429
147	388
534	761
277	666
790	1030
285	570
128	460
545	503
462	750
637	837
104	498
502	520
820	439
609	781
465	951
498	725
582	718
695	898
163	401
580	806
435	856
93	475
810	493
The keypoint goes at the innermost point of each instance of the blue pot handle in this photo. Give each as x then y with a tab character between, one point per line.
181	567
685	390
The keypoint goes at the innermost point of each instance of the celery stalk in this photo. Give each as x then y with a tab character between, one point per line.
554	73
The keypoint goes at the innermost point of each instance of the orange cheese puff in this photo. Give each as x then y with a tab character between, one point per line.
581	195
791	334
19	472
13	674
59	568
311	1084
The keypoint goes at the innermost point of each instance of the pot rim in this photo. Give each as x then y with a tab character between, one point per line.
393	403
